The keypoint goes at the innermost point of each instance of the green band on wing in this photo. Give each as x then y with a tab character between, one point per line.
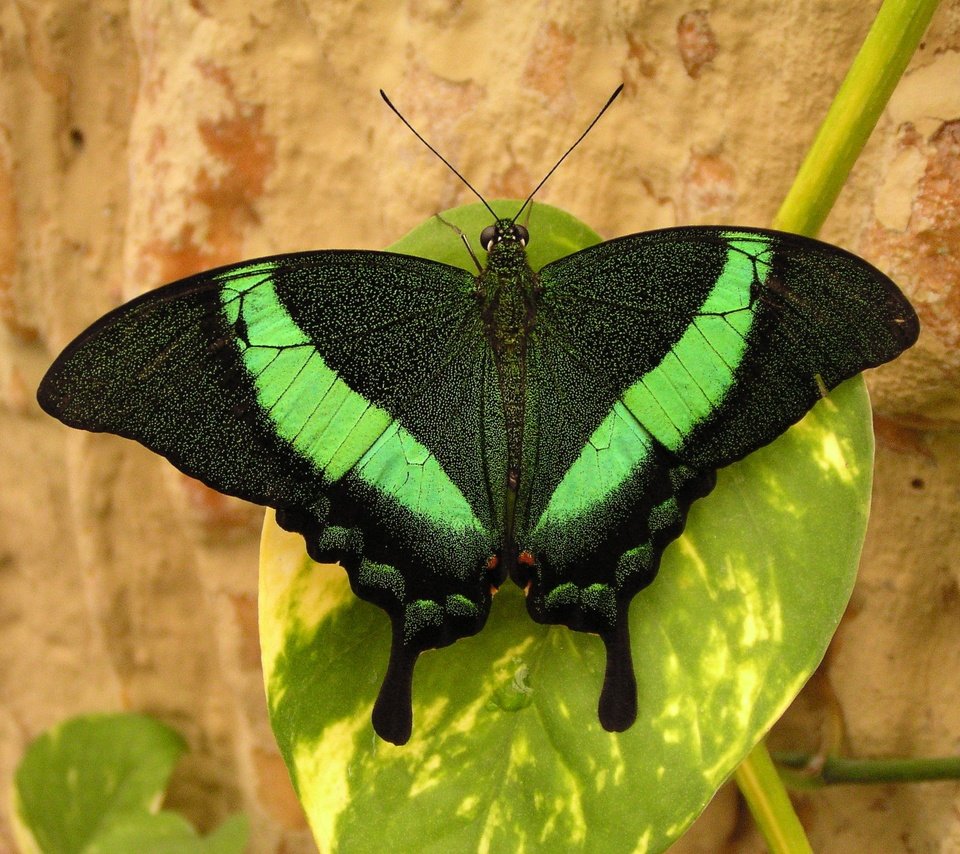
326	420
398	466
693	378
311	407
611	454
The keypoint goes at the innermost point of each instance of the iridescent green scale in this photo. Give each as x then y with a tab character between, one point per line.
437	432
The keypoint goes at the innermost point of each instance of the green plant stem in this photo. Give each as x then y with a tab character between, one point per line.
837	770
864	93
875	72
769	803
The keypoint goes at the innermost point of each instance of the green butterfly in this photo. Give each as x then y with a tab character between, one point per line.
435	431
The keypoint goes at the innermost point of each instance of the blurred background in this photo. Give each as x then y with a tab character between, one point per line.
141	142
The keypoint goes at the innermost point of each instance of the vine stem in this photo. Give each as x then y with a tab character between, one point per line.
874	74
893	37
769	803
839	770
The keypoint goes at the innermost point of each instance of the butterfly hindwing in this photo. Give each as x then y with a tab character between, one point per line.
600	539
314	383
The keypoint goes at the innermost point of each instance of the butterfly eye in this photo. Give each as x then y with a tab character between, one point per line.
523	234
488	237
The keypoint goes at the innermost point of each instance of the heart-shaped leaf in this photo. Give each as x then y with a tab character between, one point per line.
507	753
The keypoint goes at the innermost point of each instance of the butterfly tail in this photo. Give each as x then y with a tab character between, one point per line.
393	710
617	709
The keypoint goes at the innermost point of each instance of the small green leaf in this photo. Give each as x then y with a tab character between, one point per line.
229	838
169	833
507	753
155	832
82	776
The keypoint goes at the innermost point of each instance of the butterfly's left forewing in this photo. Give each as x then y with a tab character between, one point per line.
698	346
340	388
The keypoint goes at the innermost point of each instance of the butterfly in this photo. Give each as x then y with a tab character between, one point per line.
437	432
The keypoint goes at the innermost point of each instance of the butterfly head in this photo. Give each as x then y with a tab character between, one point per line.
504	232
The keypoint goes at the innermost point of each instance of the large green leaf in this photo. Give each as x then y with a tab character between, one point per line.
507	753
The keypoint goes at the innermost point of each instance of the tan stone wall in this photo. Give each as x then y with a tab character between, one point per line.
142	141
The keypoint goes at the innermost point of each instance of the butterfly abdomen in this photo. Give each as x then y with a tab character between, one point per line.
508	312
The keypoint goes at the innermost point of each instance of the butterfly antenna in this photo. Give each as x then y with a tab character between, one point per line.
606	106
449	165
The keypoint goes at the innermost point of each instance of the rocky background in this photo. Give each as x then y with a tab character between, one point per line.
143	141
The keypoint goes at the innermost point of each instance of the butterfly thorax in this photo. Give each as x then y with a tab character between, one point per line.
506	288
508	307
